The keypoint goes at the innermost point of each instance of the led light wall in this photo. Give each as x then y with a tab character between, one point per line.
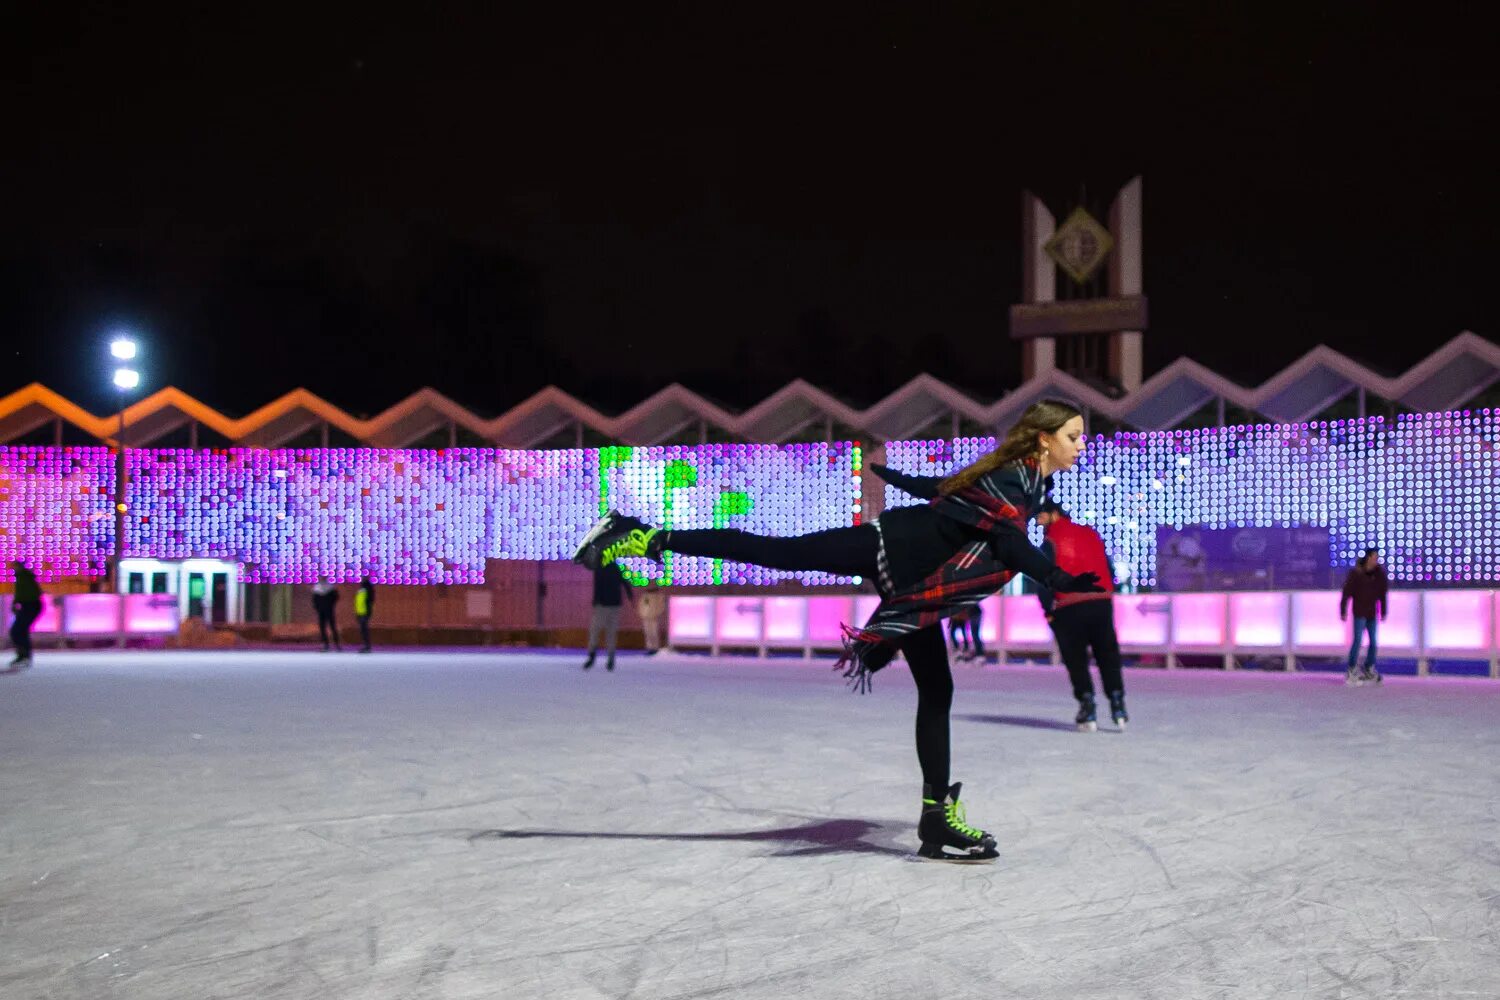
1424	489
764	489
56	511
409	516
402	516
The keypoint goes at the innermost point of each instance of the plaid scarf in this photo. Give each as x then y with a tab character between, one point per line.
1002	500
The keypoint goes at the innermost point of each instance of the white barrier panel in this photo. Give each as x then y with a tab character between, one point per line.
864	607
739	620
690	621
1142	621
150	614
1457	621
1258	621
1451	624
95	615
1198	621
989	620
91	614
1023	625
1315	623
825	620
1400	633
786	621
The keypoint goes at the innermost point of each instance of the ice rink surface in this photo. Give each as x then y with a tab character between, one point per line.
502	825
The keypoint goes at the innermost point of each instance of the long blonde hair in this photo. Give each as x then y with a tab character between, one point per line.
1043	417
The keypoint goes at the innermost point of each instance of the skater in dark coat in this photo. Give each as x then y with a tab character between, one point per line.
610	593
325	598
963	633
1367	588
928	562
1084	621
26	604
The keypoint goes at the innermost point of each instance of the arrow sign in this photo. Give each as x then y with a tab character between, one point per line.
1154	609
756	608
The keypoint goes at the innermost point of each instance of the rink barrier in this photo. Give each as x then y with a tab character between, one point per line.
1423	625
97	616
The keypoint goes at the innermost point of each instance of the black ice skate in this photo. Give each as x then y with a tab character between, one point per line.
1370	676
1117	711
612	537
1088	717
943	826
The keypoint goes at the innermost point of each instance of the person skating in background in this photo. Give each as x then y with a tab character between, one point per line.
325	597
963	633
1367	589
364	605
958	636
610	593
650	606
27	606
1084	621
929	561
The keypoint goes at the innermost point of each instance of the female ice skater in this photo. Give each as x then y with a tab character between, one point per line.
928	562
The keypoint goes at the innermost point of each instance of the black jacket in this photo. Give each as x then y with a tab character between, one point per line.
610	588
919	539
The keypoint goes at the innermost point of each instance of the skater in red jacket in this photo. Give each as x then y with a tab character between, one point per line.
1084	621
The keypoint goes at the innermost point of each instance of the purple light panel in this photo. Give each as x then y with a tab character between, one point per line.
406	516
790	489
1424	489
55	511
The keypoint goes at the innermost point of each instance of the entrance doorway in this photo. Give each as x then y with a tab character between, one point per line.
206	589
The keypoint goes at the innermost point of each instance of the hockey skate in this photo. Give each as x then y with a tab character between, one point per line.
1117	713
943	826
1087	719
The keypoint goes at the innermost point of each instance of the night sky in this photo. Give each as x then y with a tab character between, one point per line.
730	196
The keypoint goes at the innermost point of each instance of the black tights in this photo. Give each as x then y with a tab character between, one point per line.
849	552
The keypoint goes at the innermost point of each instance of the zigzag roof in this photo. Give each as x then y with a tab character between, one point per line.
1451	375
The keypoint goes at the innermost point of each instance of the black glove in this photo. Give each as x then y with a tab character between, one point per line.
1067	583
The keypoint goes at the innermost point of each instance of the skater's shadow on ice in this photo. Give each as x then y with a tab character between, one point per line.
829	836
1024	722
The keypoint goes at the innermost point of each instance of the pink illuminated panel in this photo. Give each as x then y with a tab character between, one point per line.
1142	619
825	618
690	619
1198	620
1398	633
1025	624
738	619
1258	621
989	623
864	607
1457	620
1315	621
786	620
150	614
91	614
